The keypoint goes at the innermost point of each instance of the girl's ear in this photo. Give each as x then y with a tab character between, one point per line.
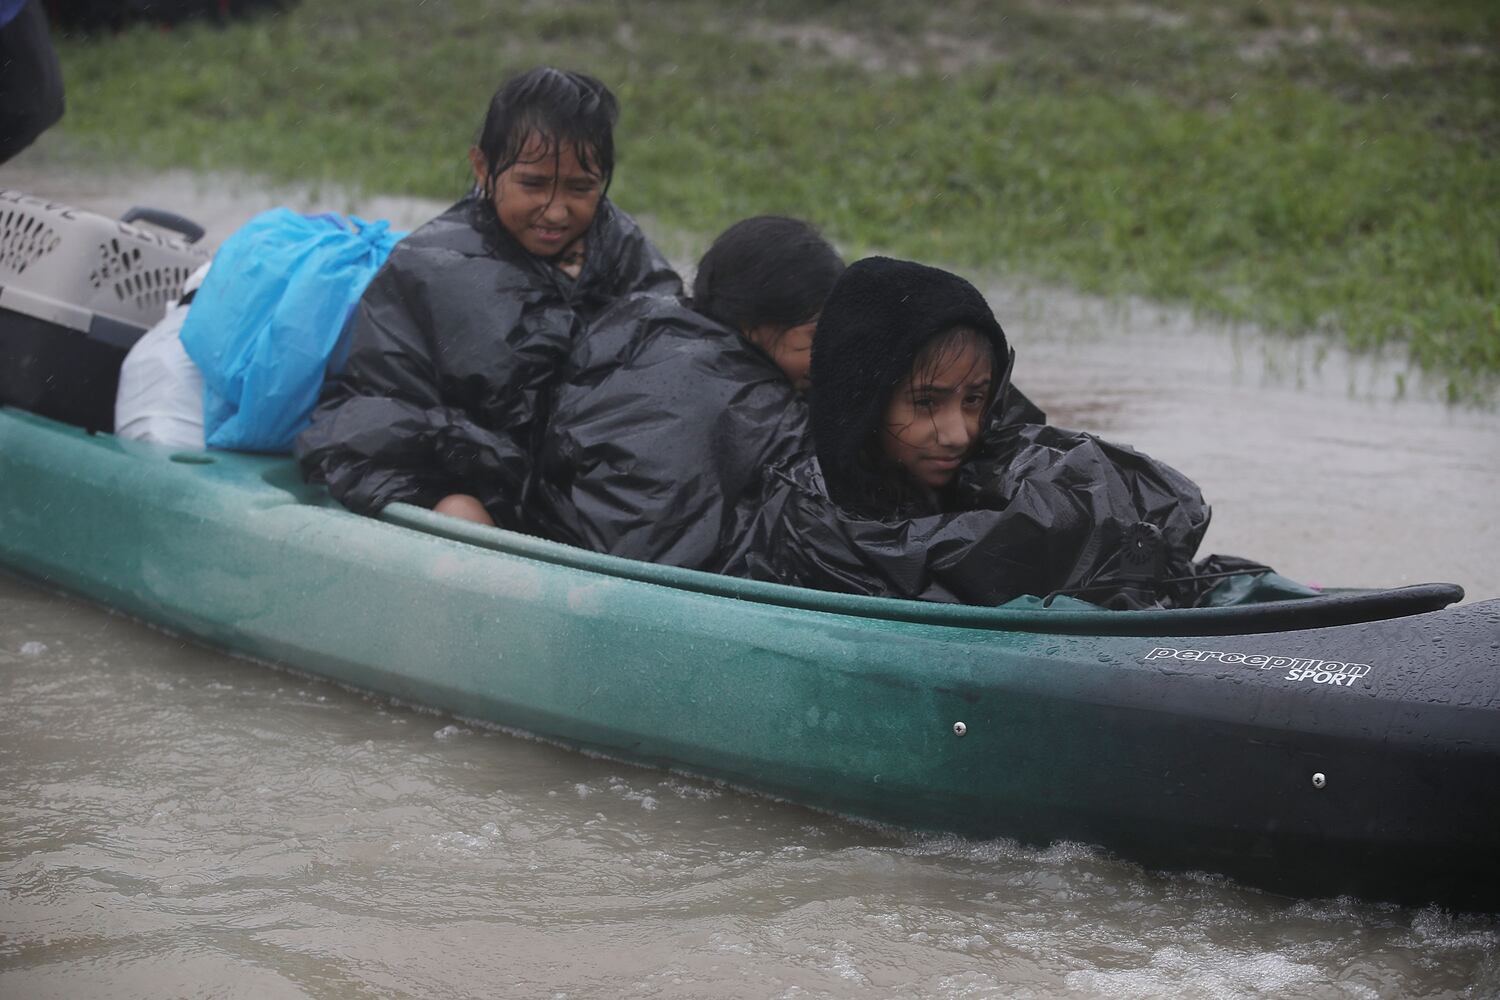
481	167
763	336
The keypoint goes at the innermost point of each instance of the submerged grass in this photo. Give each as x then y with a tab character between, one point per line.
1302	165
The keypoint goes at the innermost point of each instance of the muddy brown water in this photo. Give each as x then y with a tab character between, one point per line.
176	822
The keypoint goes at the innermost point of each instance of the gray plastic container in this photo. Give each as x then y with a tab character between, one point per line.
77	289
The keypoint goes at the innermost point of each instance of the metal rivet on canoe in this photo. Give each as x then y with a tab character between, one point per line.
1320	779
959	729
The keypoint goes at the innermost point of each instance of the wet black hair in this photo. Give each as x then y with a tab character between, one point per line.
558	104
943	347
766	271
884	319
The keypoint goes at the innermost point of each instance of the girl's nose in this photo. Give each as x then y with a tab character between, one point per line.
952	428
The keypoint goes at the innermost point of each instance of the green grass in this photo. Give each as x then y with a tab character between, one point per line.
1302	165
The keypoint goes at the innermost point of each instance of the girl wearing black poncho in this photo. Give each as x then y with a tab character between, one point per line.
908	361
671	412
917	491
461	335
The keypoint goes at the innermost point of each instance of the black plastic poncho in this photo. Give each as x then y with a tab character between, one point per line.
665	421
452	351
1066	512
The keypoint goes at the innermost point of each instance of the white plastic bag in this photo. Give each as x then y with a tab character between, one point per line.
160	397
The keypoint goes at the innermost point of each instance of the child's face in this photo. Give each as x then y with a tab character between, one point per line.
791	349
546	199
932	420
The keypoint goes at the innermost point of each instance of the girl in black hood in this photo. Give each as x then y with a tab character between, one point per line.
934	480
907	363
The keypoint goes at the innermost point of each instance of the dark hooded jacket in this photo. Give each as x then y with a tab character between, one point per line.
1039	510
452	352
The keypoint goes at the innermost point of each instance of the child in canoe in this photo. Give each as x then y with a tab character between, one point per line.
909	361
461	334
918	489
671	412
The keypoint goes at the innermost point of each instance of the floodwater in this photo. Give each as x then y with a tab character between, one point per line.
176	822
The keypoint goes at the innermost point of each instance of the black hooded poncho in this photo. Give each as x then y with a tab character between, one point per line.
451	353
1052	510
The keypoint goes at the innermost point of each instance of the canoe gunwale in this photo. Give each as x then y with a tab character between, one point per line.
1313	612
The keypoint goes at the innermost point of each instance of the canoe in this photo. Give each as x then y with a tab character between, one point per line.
1348	743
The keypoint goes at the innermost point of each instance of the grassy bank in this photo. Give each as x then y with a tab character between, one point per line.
1302	165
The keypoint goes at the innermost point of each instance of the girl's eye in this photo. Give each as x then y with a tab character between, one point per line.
923	402
533	184
974	400
586	187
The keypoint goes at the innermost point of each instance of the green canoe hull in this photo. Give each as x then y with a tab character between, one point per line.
1141	732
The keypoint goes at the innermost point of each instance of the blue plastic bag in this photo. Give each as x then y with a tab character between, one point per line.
266	324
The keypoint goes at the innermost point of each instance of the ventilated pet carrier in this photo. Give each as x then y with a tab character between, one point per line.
76	290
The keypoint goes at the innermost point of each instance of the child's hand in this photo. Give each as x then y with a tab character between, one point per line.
570	261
